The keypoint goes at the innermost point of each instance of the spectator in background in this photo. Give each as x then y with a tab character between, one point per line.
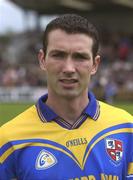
110	91
123	49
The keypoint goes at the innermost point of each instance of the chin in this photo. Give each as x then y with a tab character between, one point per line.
70	94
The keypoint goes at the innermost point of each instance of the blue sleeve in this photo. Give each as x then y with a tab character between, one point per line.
6	173
130	163
7	162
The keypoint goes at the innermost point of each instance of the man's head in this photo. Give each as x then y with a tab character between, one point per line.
72	24
69	56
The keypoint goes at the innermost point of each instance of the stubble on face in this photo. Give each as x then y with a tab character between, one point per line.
69	64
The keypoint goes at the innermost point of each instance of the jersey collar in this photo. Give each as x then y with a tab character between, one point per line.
47	114
93	107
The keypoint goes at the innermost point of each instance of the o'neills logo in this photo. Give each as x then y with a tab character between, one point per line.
101	177
76	142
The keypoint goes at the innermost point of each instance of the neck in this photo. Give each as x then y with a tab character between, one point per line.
69	109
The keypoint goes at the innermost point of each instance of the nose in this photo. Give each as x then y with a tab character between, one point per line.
69	66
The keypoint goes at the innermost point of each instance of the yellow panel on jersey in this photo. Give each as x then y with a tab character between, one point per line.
100	147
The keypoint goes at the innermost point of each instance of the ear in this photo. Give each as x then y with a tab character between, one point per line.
95	65
41	58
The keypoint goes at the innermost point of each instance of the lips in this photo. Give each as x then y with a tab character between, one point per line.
68	81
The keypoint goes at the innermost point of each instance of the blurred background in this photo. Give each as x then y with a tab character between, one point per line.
22	24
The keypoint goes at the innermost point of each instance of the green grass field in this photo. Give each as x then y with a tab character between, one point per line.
8	111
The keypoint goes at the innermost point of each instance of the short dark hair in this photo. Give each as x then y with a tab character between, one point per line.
72	24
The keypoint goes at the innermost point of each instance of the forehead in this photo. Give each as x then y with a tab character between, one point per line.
62	40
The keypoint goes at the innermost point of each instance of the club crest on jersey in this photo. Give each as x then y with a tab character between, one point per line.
45	160
114	149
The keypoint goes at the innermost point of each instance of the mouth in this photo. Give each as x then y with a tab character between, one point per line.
68	83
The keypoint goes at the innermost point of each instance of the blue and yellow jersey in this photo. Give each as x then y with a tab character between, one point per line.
39	145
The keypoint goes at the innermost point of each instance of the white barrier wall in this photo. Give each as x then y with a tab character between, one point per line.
21	94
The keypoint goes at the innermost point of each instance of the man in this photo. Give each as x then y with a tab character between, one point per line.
68	135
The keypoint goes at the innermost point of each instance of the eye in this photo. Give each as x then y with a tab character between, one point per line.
58	55
81	57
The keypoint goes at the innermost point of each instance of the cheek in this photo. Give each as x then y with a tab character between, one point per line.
85	69
52	71
90	69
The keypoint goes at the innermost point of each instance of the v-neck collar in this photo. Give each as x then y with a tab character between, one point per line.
47	114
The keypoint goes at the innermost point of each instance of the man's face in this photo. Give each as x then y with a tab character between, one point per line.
68	63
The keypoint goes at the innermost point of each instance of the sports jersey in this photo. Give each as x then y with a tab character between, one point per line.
40	145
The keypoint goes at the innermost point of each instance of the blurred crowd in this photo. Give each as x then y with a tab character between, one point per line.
19	65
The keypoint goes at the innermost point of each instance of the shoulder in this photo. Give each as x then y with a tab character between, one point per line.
17	125
114	112
22	117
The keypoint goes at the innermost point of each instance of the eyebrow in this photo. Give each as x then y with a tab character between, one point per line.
56	51
82	54
74	53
